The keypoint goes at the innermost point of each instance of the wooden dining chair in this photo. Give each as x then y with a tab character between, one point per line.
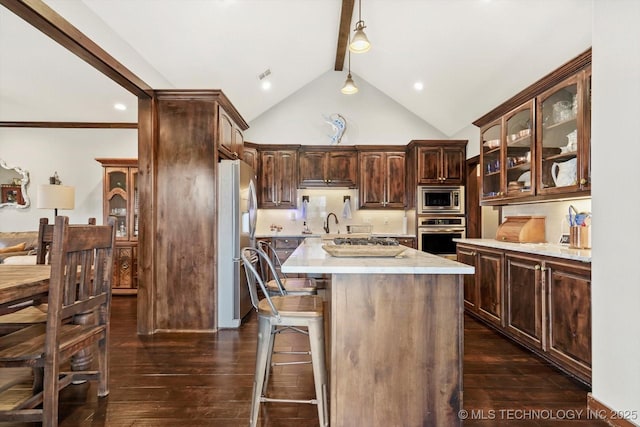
80	283
291	285
303	313
35	311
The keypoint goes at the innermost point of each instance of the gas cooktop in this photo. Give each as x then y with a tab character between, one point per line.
374	241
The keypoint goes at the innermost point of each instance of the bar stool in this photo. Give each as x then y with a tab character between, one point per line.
275	313
291	285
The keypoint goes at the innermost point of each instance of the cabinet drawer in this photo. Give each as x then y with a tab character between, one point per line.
286	243
407	241
283	254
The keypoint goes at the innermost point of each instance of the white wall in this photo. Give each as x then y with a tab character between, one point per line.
71	153
615	152
372	117
472	134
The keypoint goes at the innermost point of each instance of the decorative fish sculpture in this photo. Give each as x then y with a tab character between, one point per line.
339	126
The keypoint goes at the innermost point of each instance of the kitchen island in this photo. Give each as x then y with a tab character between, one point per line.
394	331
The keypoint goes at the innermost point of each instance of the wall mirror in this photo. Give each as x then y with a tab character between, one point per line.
13	186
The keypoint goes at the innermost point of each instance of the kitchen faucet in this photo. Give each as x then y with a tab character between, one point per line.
326	223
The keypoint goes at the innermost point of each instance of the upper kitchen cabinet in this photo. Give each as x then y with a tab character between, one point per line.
277	177
327	167
563	136
440	162
536	145
230	138
250	156
382	178
506	155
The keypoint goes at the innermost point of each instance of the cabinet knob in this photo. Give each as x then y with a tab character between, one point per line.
583	181
537	267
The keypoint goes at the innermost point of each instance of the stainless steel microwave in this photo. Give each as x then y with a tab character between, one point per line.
441	199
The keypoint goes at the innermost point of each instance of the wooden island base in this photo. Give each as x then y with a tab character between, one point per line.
395	344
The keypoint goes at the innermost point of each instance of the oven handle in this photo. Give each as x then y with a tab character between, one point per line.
441	230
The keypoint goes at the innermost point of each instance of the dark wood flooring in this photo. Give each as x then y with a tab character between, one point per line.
206	380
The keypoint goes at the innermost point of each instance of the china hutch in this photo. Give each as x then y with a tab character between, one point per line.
120	201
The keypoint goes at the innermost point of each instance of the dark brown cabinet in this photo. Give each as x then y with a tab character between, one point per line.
230	138
409	242
441	163
250	156
483	290
277	177
523	299
120	201
540	149
547	303
327	167
569	315
382	179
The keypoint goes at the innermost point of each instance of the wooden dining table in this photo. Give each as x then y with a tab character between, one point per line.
19	283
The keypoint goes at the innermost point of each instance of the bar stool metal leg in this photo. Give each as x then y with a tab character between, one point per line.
316	340
265	337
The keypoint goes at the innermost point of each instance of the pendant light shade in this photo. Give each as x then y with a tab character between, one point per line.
349	87
359	43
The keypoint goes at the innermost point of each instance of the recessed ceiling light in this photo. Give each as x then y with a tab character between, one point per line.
119	106
418	86
265	82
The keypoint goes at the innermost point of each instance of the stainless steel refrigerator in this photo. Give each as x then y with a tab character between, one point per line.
237	215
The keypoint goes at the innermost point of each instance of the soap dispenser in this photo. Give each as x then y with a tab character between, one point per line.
305	230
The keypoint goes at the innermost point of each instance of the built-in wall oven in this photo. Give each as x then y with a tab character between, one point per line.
436	234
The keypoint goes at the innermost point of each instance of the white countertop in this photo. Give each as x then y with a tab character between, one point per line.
546	249
332	235
309	257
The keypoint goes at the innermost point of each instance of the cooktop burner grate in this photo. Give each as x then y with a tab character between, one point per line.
375	241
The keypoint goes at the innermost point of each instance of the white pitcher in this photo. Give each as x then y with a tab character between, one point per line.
565	173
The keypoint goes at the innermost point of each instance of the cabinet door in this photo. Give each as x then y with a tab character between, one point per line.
489	273
429	165
569	314
523	299
560	135
238	142
491	161
116	196
467	255
372	179
453	160
519	149
287	177
395	185
225	136
342	169
268	191
124	268
250	157
312	169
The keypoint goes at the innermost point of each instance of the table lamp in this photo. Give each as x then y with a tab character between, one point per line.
52	196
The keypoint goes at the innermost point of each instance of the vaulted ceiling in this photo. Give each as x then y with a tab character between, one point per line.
470	55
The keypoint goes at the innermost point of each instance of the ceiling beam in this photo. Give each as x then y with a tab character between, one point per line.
45	19
343	33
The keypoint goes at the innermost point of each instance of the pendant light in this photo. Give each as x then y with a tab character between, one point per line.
349	87
360	43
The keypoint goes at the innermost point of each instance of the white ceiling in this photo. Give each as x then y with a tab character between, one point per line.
471	55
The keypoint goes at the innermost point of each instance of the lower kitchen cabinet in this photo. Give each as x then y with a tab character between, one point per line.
483	290
569	315
543	303
409	242
523	299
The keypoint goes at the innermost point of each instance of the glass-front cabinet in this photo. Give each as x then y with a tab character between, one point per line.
491	160
563	154
537	145
519	149
120	201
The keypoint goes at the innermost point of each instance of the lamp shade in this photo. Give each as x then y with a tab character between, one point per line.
56	197
359	43
349	87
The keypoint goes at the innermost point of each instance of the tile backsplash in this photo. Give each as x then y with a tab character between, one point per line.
321	203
